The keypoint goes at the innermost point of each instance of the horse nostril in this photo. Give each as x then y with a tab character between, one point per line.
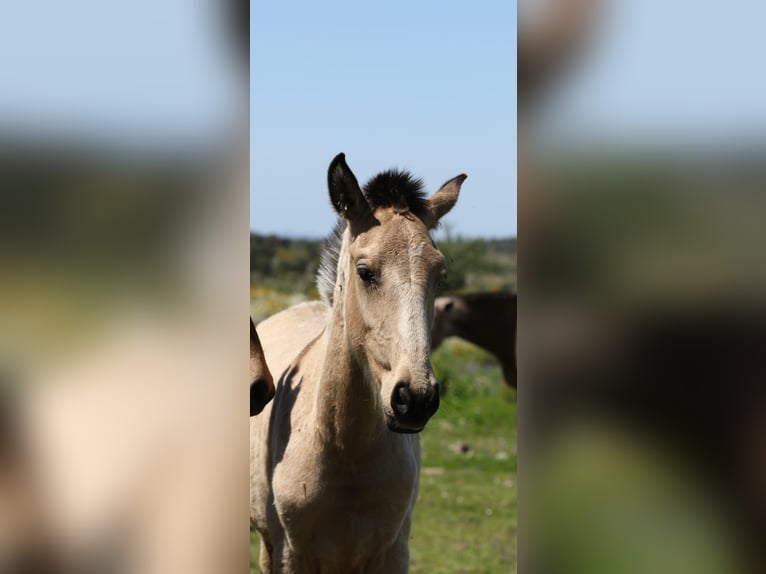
400	399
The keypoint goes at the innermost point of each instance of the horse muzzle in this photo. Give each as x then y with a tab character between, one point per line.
411	408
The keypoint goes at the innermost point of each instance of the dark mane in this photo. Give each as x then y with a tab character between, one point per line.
327	273
399	190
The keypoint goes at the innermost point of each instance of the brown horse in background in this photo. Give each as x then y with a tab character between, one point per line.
484	319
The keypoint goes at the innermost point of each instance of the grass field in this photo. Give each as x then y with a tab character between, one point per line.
465	518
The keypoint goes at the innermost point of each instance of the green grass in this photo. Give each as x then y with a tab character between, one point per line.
465	517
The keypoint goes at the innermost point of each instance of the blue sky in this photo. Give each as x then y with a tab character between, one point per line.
685	72
145	72
427	86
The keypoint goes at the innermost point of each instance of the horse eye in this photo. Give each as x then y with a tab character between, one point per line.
365	274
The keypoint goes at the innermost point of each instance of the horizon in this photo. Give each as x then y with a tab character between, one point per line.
456	235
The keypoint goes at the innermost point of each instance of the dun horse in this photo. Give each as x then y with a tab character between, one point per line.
261	382
335	457
485	319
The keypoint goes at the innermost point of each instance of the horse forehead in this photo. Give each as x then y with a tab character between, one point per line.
401	232
421	248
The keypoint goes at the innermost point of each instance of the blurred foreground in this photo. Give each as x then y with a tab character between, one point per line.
123	435
642	321
123	296
642	368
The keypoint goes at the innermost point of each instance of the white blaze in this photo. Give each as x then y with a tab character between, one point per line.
413	328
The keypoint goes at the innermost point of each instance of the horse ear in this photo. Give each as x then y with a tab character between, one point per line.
345	193
443	200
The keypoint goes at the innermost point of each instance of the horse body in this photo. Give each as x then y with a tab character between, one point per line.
484	319
322	517
332	487
338	491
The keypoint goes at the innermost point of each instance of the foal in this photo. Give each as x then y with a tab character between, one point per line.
335	458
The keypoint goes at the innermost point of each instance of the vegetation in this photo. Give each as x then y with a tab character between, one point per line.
284	265
465	518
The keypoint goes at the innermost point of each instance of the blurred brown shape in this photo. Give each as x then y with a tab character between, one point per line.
643	324
549	39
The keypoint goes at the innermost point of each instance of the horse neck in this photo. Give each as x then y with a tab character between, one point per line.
348	416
